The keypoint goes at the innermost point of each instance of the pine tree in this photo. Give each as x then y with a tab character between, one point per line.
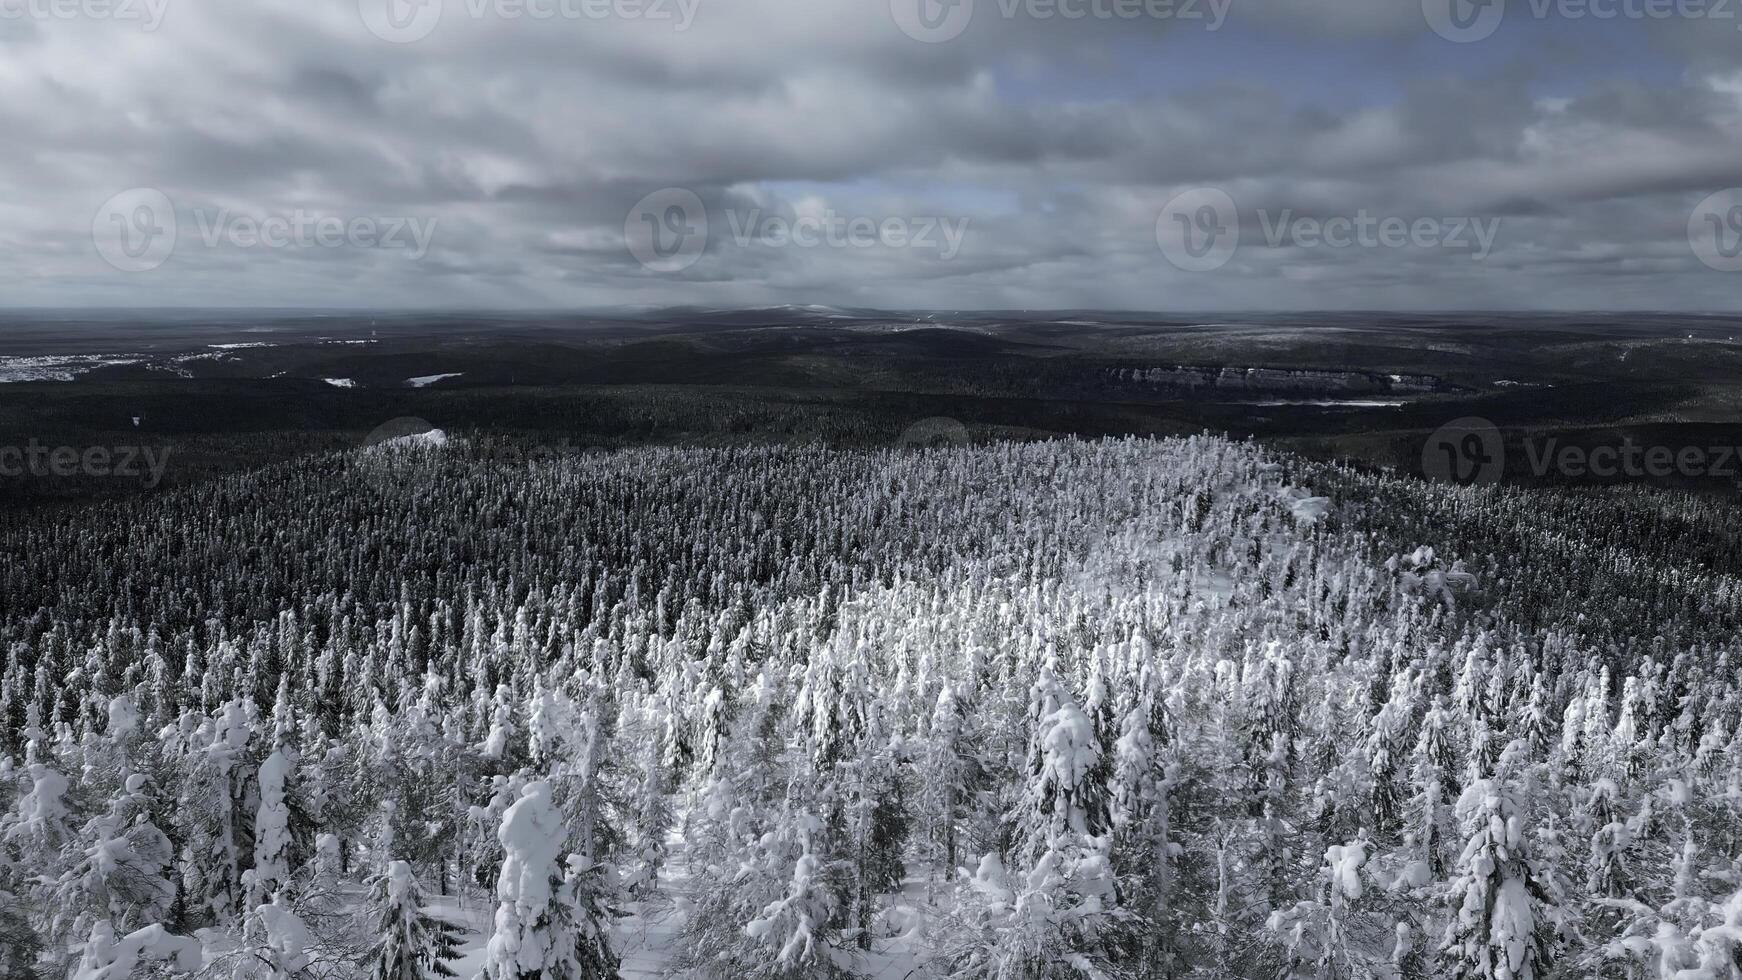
413	944
119	873
549	923
1495	931
1607	874
205	819
276	944
1384	759
1143	849
271	831
796	926
1061	907
940	794
653	818
1060	801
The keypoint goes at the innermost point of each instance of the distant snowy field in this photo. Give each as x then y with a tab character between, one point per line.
1117	709
425	381
56	367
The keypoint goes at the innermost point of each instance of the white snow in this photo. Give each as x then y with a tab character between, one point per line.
123	717
285	934
340	382
108	958
1514	923
1303	506
1344	862
423	381
432	439
271	826
1141	613
1328	402
1068	753
44	807
532	835
57	367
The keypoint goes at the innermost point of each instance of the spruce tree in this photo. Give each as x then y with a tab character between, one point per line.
411	943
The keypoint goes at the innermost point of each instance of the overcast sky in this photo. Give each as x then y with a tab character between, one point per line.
1246	154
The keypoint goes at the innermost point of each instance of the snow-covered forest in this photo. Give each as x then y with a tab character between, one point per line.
1117	709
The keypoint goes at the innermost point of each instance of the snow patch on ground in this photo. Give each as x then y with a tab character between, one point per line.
430	379
646	938
1327	402
57	367
340	382
1306	508
1135	555
432	439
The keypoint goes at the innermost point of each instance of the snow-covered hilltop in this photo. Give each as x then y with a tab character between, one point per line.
1128	708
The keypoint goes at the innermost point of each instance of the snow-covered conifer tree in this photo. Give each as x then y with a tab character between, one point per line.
271	831
546	928
411	944
118	874
1496	929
